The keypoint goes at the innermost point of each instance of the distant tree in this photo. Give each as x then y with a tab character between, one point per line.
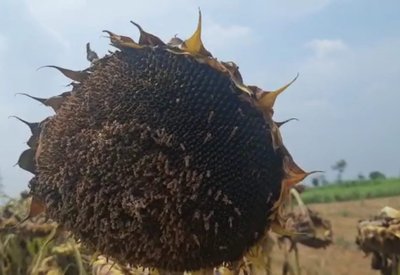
361	177
1	185
376	175
315	182
323	180
340	166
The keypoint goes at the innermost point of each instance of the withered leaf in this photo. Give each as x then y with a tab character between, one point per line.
147	38
78	76
27	161
121	41
194	44
91	56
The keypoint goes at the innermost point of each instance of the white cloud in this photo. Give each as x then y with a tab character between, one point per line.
296	8
347	99
325	47
3	44
225	40
62	18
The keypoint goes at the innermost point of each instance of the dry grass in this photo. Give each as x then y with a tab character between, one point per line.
342	257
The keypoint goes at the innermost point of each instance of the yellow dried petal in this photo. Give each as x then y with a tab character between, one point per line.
194	45
268	98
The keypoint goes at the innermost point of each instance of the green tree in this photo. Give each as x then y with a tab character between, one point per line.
340	166
315	182
376	175
1	185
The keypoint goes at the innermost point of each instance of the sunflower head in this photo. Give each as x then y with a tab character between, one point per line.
161	156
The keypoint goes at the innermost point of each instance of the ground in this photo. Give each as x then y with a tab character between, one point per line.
342	257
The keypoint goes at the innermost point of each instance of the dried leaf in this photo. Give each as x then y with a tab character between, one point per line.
175	42
233	70
389	212
37	207
91	56
275	135
78	76
277	228
293	173
33	141
279	124
121	41
54	102
27	161
267	99
41	100
33	126
194	45
148	39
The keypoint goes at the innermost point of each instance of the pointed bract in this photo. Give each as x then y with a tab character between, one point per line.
293	173
279	124
91	56
27	161
33	126
194	45
78	76
41	100
233	70
148	39
275	135
267	99
122	42
33	140
53	102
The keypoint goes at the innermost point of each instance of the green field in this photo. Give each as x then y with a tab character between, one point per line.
353	190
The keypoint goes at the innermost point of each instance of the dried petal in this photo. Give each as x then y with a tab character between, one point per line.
194	45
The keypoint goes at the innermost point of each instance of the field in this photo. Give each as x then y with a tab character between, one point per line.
343	257
353	190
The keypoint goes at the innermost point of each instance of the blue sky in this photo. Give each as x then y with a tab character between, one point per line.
346	51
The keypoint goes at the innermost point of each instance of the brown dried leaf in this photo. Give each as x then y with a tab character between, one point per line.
148	39
27	161
33	126
91	56
121	41
78	76
175	42
279	124
54	102
36	208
